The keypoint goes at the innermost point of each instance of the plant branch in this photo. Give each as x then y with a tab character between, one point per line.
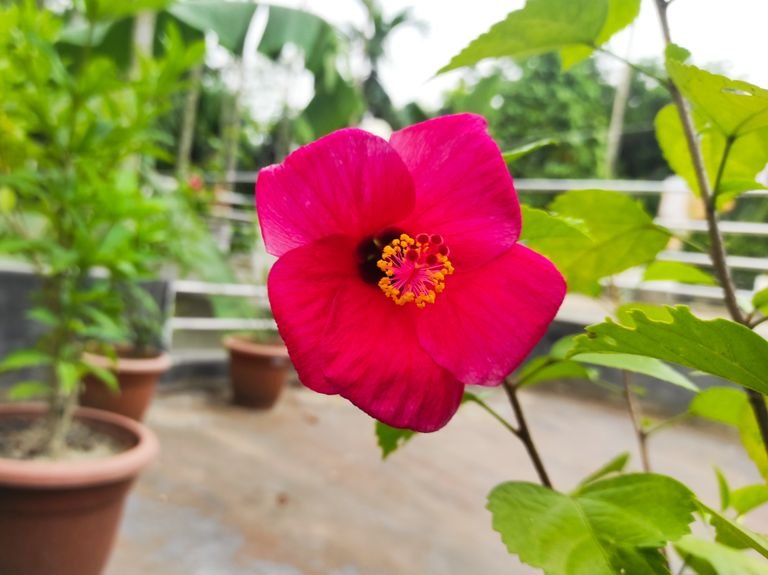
511	428
636	416
524	433
662	81
717	245
721	168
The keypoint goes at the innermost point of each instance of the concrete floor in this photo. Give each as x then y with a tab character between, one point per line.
301	489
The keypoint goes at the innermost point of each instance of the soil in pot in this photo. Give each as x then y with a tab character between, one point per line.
60	517
257	371
137	377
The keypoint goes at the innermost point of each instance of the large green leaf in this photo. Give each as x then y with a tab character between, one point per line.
619	234
731	407
542	26
605	527
719	347
734	107
621	13
677	271
708	558
332	109
746	158
315	36
229	20
543	368
750	497
735	535
559	240
638	364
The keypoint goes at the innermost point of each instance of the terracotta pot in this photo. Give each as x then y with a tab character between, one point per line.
136	377
60	518
257	371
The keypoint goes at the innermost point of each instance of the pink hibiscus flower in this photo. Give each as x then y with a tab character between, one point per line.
399	278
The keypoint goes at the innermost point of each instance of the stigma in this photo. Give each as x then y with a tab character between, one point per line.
414	269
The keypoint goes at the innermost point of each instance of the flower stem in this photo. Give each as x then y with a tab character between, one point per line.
524	433
717	245
635	415
511	428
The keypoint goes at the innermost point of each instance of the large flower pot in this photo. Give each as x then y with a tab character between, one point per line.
257	371
61	517
136	376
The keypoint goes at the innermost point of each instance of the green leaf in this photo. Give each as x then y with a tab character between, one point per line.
67	376
315	36
719	347
734	107
675	52
594	531
638	364
723	489
541	369
746	499
560	241
721	404
7	200
24	358
542	26
521	151
106	376
708	558
677	271
391	438
229	20
28	390
734	535
731	407
760	301
620	235
615	465
746	158
621	13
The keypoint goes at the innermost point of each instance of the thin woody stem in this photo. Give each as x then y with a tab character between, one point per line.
524	433
717	245
636	417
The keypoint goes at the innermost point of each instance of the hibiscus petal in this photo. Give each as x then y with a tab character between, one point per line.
487	321
463	189
302	287
374	358
349	182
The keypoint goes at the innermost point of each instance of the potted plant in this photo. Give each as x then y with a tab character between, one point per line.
258	368
137	365
75	134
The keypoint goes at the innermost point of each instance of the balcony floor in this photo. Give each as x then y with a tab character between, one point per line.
301	489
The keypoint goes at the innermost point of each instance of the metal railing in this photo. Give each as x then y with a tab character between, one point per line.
238	208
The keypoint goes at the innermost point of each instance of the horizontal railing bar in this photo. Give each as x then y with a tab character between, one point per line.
220	324
726	227
212	288
676	288
737	262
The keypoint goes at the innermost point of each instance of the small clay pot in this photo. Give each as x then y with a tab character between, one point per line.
61	517
257	371
137	378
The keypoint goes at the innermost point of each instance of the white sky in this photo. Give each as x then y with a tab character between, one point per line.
731	33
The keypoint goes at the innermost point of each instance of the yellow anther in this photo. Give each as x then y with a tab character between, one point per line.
413	277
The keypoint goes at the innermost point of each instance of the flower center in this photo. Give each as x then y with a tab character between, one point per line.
414	269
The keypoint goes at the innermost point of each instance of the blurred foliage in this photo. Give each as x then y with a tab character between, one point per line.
79	141
536	101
